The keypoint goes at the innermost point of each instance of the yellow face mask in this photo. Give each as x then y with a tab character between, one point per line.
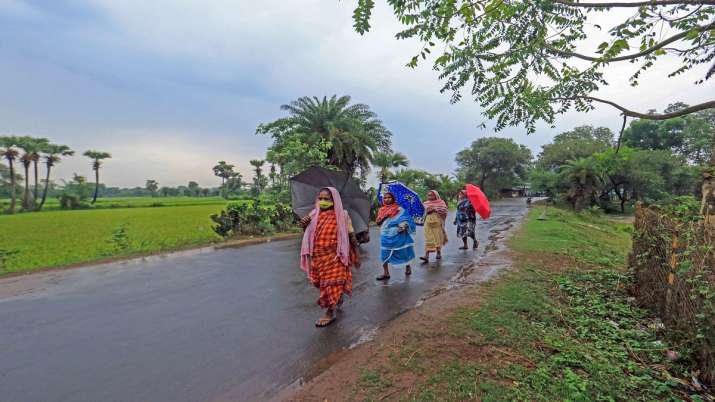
325	204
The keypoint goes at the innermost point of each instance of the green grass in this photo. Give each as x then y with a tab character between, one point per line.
372	384
571	332
588	237
57	238
52	204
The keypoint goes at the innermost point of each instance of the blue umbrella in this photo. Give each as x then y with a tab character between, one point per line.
406	198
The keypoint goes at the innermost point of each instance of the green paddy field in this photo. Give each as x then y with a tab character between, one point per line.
54	237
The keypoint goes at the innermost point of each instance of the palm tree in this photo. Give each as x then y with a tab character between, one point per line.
388	160
273	175
41	145
97	158
353	131
52	157
10	153
258	178
225	172
583	176
31	155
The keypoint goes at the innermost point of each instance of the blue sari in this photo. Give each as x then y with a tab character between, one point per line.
398	247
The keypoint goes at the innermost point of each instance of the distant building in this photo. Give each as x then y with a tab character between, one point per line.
515	192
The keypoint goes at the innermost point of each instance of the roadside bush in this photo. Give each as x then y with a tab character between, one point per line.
674	268
253	218
5	255
75	193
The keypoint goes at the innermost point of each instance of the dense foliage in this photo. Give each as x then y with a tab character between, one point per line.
691	137
586	167
253	218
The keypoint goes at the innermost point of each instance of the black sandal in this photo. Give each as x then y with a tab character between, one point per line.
408	271
425	260
383	277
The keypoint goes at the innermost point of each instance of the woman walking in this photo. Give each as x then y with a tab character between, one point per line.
466	221
396	241
435	235
328	252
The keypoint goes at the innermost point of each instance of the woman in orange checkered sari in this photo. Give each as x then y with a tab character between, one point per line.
328	252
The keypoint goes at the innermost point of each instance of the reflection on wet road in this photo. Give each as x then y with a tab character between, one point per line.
230	324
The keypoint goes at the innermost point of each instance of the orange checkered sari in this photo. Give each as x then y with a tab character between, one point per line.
326	271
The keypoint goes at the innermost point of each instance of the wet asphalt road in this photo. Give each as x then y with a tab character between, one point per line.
208	325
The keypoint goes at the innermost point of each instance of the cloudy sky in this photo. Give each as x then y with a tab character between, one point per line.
171	87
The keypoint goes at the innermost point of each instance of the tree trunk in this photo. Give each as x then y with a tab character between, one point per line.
96	186
621	197
26	195
708	190
44	191
37	185
13	185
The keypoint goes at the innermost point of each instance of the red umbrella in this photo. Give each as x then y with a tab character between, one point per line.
479	201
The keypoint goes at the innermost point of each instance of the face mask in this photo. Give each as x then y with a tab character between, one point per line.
325	204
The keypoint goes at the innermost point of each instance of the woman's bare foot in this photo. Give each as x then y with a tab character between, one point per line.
326	319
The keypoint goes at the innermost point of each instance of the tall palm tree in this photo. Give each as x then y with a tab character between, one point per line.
273	174
41	145
97	158
225	172
258	178
9	151
52	156
31	155
353	131
388	160
583	176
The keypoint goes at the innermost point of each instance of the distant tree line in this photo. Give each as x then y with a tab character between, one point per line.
26	178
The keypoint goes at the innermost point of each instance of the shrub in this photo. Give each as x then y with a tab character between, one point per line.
253	218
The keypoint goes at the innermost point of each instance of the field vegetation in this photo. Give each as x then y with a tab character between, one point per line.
59	238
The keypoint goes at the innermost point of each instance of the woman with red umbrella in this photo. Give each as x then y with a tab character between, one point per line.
466	221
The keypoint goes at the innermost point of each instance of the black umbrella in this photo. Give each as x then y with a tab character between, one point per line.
306	186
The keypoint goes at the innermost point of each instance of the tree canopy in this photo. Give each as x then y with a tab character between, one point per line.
521	60
331	130
494	163
691	137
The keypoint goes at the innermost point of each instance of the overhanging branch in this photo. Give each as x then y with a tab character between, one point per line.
646	116
652	49
636	4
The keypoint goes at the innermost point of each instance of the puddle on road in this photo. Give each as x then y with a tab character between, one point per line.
490	262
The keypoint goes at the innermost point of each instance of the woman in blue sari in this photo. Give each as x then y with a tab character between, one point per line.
396	236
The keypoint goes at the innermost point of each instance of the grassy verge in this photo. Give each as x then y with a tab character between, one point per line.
561	326
60	238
